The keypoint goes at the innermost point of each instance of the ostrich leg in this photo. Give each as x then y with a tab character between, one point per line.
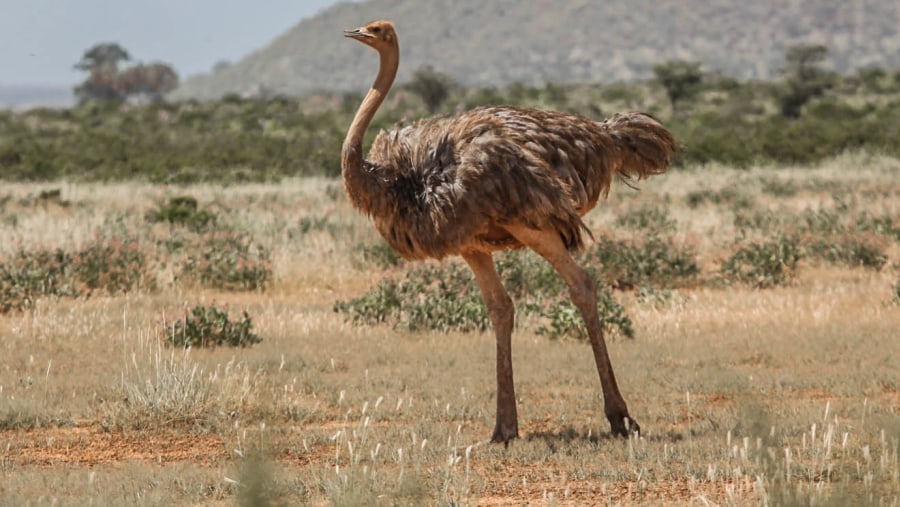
583	292
502	312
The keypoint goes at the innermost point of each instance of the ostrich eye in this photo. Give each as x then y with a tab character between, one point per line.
377	29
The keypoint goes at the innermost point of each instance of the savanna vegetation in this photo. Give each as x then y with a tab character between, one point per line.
805	116
258	343
191	313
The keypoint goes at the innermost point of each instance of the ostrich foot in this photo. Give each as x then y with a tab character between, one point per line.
622	425
503	433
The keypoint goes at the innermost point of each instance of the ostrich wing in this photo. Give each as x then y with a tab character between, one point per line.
452	184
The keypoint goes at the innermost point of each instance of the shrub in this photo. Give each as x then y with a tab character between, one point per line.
851	250
228	261
113	265
821	221
651	218
431	86
653	261
656	297
527	275
446	298
311	223
28	275
878	224
828	234
236	140
210	326
378	254
763	265
182	210
729	195
716	136
778	187
375	307
442	298
760	219
681	79
564	319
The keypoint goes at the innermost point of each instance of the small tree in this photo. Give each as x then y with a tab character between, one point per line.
103	58
432	86
102	62
99	87
804	76
152	80
107	83
681	79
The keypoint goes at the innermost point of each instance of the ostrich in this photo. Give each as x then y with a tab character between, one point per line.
496	178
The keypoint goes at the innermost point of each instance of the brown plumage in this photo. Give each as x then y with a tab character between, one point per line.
495	178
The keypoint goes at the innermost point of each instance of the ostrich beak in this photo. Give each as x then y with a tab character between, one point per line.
358	34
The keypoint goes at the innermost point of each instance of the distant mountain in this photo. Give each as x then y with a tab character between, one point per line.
537	41
28	96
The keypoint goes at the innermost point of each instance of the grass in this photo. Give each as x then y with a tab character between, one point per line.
781	396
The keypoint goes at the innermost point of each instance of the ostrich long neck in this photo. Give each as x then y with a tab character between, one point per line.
359	182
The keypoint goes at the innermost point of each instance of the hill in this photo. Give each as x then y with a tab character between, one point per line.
537	41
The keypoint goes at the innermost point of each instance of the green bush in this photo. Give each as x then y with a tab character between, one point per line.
821	221
760	220
227	260
311	223
653	261
29	275
238	140
851	250
183	210
527	275
729	196
113	265
210	326
378	254
223	141
878	224
446	298
658	298
650	218
564	320
764	265
382	304
443	298
716	136
777	187
110	265
831	235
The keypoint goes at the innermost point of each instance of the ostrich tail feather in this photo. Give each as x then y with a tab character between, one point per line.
644	145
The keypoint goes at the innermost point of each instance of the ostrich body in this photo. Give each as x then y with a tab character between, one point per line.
495	178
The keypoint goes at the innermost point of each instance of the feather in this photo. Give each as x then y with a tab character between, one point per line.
453	183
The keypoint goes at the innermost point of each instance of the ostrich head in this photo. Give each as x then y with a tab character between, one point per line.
377	34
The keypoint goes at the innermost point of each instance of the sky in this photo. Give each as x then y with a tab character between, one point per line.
40	40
